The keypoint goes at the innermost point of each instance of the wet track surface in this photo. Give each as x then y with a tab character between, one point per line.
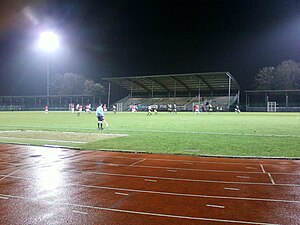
40	185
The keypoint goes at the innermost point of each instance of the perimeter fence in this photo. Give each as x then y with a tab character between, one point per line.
283	100
36	103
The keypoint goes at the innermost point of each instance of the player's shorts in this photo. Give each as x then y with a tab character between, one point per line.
100	118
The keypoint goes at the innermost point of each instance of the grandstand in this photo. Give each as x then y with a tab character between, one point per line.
218	88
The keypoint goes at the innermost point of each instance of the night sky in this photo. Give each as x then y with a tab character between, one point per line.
127	38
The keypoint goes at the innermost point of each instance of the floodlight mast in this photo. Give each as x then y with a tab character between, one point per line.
48	42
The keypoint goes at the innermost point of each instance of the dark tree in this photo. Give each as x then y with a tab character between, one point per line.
285	76
92	88
75	84
67	84
265	78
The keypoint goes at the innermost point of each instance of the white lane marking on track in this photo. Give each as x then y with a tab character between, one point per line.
204	162
252	168
182	179
181	168
174	171
142	213
148	180
8	175
232	189
198	170
79	212
170	178
262	168
244	177
271	178
137	162
119	193
216	206
115	165
187	195
1	197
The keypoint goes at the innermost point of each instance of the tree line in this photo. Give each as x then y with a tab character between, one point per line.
285	76
74	84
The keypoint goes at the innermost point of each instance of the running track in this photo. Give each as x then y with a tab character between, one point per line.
40	185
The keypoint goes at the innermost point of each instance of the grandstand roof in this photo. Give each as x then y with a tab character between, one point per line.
212	81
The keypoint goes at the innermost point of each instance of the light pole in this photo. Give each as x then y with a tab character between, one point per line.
48	42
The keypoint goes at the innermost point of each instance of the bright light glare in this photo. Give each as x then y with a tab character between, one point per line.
48	41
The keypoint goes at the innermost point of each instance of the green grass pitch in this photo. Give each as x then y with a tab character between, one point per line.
226	133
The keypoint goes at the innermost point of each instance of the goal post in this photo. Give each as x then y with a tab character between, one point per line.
120	107
271	107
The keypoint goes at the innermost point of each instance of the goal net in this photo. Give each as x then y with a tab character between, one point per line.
271	107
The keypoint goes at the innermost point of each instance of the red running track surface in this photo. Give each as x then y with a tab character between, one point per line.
40	185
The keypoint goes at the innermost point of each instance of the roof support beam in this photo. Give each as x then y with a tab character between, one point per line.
160	84
200	78
180	82
139	84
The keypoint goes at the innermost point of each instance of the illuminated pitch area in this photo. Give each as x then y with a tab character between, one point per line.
226	133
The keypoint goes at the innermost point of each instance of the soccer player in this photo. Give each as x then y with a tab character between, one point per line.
174	109
196	109
237	109
46	109
114	109
87	108
72	107
104	109
79	108
149	111
100	116
169	108
210	108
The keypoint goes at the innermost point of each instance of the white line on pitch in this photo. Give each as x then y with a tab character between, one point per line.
137	162
148	180
271	178
39	139
232	189
216	206
242	177
262	168
119	193
79	212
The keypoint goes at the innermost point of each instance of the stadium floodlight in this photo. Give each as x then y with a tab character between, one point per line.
48	41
